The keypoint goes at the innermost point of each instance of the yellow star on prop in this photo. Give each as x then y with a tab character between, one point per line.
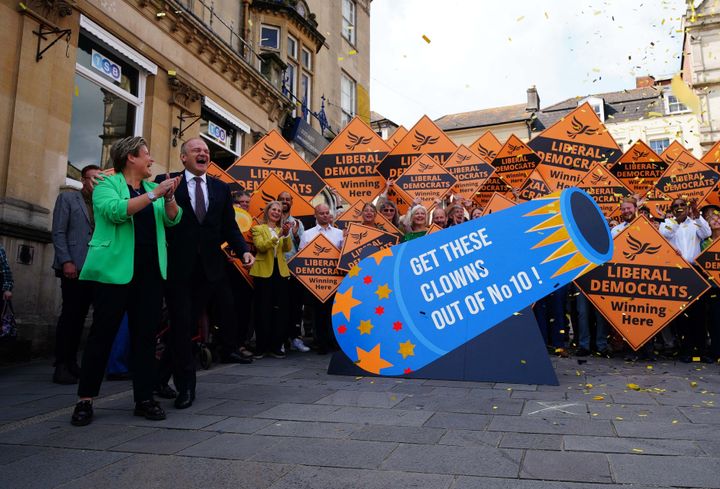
378	256
371	360
407	349
383	291
344	302
365	327
354	271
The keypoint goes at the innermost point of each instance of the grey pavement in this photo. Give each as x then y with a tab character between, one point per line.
288	424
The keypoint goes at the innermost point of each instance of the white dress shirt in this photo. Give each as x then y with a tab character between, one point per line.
618	229
686	236
333	234
190	179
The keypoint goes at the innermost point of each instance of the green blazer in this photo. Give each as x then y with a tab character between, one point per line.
111	249
264	259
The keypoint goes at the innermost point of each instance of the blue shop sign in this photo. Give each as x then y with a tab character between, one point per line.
106	66
301	132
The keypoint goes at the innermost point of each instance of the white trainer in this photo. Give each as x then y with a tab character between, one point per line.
297	344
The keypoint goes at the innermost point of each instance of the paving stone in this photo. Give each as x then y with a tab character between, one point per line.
565	466
540	395
175	419
238	408
710	415
670	471
413	389
402	434
633	397
552	409
309	429
263	368
276	393
182	473
465	404
53	466
569	426
467	482
486	461
515	387
164	441
62	434
363	399
468	438
11	453
391	417
12	414
333	478
531	440
606	444
326	452
239	425
667	430
710	447
222	378
231	446
460	421
299	412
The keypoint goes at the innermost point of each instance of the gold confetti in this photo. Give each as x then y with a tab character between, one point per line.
693	384
340	58
426	39
547	16
588	386
637	450
619	418
598	398
649	367
352	53
634	387
520	18
696	359
654	114
523	362
674	421
685	94
172	73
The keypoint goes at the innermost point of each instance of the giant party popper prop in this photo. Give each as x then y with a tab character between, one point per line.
407	306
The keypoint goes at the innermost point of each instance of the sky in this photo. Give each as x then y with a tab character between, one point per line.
485	53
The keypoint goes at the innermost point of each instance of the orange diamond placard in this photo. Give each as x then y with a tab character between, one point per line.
399	133
569	148
607	191
348	163
657	203
273	155
712	157
354	214
491	186
709	261
238	264
688	178
424	137
639	168
533	187
644	286
497	203
425	180
315	266
361	241
469	169
215	171
269	189
672	152
515	162
486	146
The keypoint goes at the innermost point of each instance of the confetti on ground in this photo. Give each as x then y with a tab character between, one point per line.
598	398
637	450
634	387
426	39
693	384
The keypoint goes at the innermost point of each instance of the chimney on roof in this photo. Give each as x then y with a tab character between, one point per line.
533	100
644	81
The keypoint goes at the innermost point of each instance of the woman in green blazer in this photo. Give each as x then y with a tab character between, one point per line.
127	261
271	276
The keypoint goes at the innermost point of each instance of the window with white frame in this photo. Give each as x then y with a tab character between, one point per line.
597	104
306	59
348	98
270	37
673	105
659	145
348	20
292	46
306	94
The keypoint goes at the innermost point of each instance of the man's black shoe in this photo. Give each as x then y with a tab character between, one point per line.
63	376
165	391
83	414
235	357
582	352
184	399
149	409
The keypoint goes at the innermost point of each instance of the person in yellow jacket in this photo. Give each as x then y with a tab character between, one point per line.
271	276
127	263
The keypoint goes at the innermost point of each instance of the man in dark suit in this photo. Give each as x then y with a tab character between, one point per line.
72	229
196	265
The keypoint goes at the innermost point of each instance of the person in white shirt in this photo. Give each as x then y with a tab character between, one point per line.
628	213
323	310
685	231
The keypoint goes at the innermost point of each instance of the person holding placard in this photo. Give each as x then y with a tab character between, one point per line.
417	223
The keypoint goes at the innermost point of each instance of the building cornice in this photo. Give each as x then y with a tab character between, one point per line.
171	17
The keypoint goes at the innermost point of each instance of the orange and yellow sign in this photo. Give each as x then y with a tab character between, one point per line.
348	163
709	261
491	186
424	137
605	189
533	187
639	168
657	203
354	214
399	133
497	203
712	157
672	152
269	189
238	264
688	178
515	162
273	155
425	180
571	146
486	147
315	266
469	169
361	241
644	286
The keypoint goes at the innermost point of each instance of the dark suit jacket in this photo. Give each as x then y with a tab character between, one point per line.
191	242
71	231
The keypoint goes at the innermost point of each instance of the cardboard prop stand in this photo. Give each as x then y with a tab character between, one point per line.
644	286
569	148
315	266
454	304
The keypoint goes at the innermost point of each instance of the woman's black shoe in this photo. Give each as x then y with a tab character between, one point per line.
149	410
83	414
165	391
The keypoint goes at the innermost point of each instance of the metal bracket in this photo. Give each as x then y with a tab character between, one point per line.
179	131
45	30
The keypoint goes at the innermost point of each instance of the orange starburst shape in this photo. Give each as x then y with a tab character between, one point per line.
344	302
371	360
378	256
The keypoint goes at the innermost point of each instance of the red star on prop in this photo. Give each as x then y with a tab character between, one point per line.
397	325
342	329
407	371
379	310
367	279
